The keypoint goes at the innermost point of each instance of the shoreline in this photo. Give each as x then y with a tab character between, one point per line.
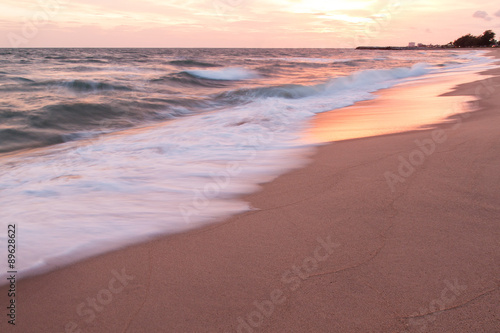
336	214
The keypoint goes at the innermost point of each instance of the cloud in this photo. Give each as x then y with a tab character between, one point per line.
482	14
497	14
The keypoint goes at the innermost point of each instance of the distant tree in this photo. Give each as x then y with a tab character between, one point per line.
485	40
466	41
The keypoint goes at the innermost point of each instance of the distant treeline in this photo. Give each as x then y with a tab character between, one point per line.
487	39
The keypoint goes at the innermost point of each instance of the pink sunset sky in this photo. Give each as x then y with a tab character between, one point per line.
240	23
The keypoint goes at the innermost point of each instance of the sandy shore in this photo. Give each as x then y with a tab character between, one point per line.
393	233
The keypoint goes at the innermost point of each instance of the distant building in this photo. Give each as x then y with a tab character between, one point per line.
411	44
421	45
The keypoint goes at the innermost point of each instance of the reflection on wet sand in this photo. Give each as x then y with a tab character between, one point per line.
391	112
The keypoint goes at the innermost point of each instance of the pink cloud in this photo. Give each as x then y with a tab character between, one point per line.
482	14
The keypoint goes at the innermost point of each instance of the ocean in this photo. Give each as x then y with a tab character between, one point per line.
101	148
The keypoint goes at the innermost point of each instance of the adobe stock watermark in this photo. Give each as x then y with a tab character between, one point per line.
47	10
419	320
378	22
221	180
225	7
407	165
291	280
87	147
484	89
87	310
426	147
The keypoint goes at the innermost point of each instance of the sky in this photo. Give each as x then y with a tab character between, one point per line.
241	23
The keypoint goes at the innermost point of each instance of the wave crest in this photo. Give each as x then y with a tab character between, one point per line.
359	81
224	74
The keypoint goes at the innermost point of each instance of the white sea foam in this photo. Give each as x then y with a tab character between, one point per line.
228	73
